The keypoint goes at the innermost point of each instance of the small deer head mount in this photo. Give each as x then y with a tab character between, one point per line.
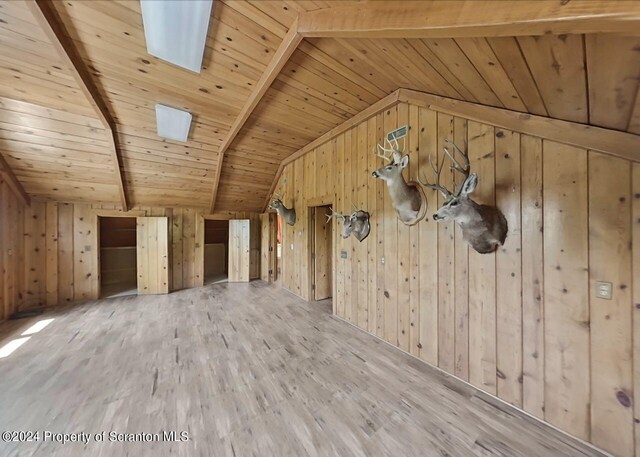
356	223
288	214
483	227
407	198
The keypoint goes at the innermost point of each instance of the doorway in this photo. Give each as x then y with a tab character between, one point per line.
216	251
269	247
321	253
118	258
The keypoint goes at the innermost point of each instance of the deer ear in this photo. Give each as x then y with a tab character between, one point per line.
470	184
404	162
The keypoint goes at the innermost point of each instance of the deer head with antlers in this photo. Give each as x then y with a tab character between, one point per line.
288	214
356	223
484	227
407	198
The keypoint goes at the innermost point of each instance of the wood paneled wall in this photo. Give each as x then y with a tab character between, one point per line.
61	263
522	324
11	250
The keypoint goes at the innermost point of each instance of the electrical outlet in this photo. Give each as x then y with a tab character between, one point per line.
604	290
382	260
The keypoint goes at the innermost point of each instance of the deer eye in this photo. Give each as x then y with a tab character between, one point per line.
454	203
389	168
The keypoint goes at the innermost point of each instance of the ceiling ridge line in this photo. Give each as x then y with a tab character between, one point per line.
287	47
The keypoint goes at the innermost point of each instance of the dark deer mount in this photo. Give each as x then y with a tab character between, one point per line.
287	214
356	223
484	227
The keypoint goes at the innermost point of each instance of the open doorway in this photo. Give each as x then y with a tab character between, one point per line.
118	259
216	251
321	253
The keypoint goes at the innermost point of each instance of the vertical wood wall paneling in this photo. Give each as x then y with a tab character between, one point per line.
5	312
413	149
341	244
482	268
370	205
176	249
66	266
377	224
390	249
532	276
566	329
611	320
403	251
51	266
428	123
355	250
34	245
635	230
446	246
509	269
461	275
359	200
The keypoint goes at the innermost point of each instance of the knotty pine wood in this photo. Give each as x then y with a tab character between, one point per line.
261	372
152	255
11	250
521	323
60	249
324	83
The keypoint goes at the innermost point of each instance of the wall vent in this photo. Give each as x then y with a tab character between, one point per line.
398	133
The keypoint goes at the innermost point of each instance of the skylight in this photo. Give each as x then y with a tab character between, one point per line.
176	30
172	123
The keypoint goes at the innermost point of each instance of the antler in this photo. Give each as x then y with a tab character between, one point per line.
463	169
334	214
436	171
457	166
394	149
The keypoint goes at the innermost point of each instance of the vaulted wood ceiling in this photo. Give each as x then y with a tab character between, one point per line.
52	140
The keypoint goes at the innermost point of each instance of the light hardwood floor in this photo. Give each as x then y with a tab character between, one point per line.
245	369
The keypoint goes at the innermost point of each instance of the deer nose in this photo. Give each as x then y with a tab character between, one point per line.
374	174
435	217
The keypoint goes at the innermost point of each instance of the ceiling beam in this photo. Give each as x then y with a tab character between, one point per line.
13	182
46	16
469	18
289	44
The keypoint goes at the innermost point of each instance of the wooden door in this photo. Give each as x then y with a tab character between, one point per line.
152	251
268	247
321	253
239	247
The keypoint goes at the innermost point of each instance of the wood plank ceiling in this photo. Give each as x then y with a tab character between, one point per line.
49	136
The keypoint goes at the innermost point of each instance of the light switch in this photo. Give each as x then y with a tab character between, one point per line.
604	290
292	246
343	254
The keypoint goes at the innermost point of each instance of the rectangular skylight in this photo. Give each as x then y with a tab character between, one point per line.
176	30
173	124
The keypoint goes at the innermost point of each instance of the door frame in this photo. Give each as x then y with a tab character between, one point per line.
311	204
105	215
97	214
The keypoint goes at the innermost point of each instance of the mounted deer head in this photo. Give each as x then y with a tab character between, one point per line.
483	227
356	223
407	199
288	214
